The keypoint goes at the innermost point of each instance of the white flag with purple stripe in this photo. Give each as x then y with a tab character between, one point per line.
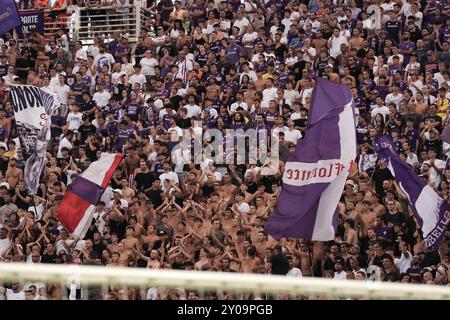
430	210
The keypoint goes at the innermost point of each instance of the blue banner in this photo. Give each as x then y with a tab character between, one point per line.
9	17
31	20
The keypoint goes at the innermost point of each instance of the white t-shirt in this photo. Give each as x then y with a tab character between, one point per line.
101	98
62	92
244	207
175	133
148	66
63	143
295	272
236	105
116	76
340	276
434	176
74	120
268	95
104	58
81	54
193	111
403	263
93	50
292	135
249	37
395	99
4	245
312	52
241	24
251	74
137	78
336	42
291	96
11	295
180	158
391	58
383	110
168	176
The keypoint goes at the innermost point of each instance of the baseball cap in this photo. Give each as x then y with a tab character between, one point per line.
430	52
350	182
4	184
118	191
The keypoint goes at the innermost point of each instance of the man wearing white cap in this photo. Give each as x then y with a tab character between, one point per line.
117	195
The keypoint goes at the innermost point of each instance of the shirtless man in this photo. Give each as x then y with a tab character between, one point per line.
226	218
13	174
152	261
130	241
115	260
250	261
332	76
53	167
356	41
304	257
228	189
261	206
365	217
125	255
127	193
131	162
253	229
114	245
261	244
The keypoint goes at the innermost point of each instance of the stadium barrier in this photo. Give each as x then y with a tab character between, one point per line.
252	283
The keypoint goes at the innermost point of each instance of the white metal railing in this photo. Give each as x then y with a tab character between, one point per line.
104	21
83	23
203	280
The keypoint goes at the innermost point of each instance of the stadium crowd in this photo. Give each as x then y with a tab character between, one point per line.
201	65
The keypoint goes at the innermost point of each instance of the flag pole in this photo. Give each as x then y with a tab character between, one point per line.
310	258
34	205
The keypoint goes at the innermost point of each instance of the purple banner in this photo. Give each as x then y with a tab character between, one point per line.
9	17
31	20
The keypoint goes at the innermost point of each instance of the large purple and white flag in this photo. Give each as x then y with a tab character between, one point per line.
315	173
430	210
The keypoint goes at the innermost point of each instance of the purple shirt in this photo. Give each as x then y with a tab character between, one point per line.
270	118
133	110
412	136
3	133
233	52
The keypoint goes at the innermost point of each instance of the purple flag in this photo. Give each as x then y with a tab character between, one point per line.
9	16
315	174
430	210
